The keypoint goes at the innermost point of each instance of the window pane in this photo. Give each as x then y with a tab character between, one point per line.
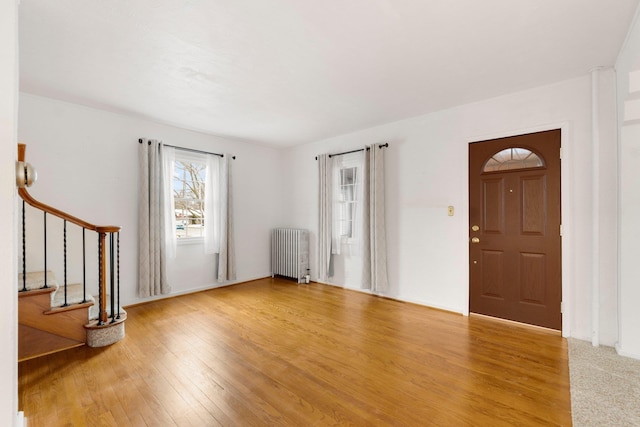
188	192
347	197
347	184
511	159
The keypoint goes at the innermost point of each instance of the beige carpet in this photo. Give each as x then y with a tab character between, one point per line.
605	387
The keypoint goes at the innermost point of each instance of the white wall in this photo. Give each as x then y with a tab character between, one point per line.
427	165
87	166
8	251
628	64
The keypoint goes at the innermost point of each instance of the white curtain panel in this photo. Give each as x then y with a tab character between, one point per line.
226	255
152	271
168	166
212	205
374	274
334	184
325	215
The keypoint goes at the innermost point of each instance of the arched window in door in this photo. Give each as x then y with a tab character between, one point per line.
513	158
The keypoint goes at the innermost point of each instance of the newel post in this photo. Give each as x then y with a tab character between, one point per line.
102	271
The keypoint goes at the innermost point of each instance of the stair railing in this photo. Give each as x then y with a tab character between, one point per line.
104	252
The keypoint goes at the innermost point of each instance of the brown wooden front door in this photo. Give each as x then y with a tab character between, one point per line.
514	229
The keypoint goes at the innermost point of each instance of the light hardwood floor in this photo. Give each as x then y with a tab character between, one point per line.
271	352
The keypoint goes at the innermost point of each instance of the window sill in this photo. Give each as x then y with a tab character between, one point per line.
184	241
349	242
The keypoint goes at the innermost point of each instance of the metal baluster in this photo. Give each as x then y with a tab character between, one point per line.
100	322
84	268
112	276
46	284
118	275
65	263
24	251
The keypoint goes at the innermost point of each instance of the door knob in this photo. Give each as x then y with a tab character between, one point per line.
475	240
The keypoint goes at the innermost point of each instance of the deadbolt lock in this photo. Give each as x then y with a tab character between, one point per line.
475	228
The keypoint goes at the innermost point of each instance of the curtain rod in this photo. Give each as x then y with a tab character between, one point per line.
355	151
190	149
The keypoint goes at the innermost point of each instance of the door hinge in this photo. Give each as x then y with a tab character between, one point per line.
561	306
560	153
560	230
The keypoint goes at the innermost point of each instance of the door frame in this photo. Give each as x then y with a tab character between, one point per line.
566	189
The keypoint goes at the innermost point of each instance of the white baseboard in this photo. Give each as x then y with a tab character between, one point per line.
194	290
400	298
21	420
621	352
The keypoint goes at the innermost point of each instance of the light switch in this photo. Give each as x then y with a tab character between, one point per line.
450	210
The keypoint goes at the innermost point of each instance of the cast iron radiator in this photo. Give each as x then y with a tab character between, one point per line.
290	253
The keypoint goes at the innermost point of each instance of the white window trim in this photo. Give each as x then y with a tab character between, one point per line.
187	156
354	232
350	244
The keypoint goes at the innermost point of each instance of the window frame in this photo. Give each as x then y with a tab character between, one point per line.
498	169
348	205
351	162
189	157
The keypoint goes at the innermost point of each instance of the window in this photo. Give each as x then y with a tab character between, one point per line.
513	158
198	199
347	176
347	202
188	194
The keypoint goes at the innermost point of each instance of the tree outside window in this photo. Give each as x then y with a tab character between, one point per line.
188	193
347	201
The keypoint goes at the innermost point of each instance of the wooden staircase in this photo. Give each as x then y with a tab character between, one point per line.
54	317
46	325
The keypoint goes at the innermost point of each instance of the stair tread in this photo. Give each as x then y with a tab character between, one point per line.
76	306
74	295
32	292
35	280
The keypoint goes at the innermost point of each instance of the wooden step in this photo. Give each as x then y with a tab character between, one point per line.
75	295
75	292
56	310
35	280
47	325
34	343
68	323
35	292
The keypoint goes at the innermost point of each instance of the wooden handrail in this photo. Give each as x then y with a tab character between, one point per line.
63	215
57	212
22	151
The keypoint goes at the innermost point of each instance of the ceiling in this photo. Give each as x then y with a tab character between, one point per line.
288	72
